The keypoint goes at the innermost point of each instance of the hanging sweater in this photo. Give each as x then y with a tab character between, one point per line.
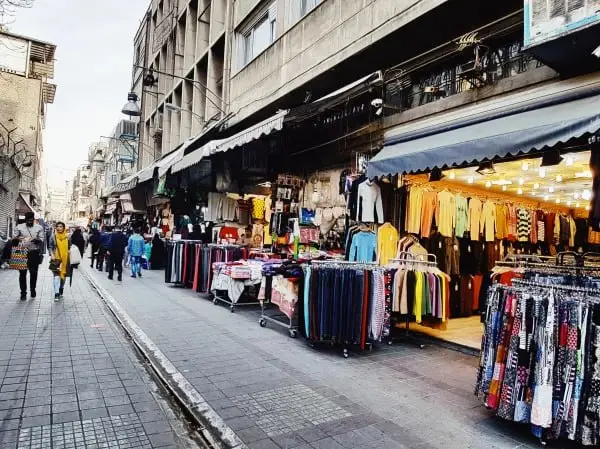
462	215
523	225
488	221
370	205
387	243
363	247
445	214
474	217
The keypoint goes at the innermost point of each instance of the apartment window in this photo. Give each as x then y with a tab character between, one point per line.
260	34
307	6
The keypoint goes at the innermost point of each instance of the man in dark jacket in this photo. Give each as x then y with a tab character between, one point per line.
104	242
94	242
116	251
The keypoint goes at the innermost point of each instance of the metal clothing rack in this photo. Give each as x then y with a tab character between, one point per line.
345	264
412	260
571	288
279	318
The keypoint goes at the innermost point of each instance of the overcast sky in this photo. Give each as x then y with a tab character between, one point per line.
93	72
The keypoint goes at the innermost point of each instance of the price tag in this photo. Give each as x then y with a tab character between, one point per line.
469	248
470	285
455	247
440	245
456	288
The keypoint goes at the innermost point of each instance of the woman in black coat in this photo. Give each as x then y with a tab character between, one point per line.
157	254
78	240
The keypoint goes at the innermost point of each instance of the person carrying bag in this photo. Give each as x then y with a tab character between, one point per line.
59	264
26	253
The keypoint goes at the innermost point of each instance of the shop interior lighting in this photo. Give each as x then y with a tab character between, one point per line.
587	207
525	166
521	181
542	172
557	200
486	168
551	158
536	185
546	197
520	191
470	180
576	195
533	193
569	203
504	188
551	189
488	184
586	195
576	204
452	175
558	178
569	161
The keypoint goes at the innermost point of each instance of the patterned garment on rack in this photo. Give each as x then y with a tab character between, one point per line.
378	306
590	426
493	398
389	276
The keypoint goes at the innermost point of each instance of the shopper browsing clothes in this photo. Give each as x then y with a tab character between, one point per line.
58	248
31	235
116	251
135	248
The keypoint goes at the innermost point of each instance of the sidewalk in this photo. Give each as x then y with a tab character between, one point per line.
69	378
277	393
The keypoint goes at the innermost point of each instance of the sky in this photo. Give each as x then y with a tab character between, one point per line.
94	57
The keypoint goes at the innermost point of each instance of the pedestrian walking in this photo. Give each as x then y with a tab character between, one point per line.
58	248
116	250
95	245
78	240
31	236
135	248
157	254
105	236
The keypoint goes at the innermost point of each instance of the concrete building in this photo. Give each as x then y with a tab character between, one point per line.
57	204
26	66
81	194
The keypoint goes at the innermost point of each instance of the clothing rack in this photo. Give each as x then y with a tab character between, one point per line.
409	259
571	288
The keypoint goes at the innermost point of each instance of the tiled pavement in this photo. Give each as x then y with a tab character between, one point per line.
69	378
278	393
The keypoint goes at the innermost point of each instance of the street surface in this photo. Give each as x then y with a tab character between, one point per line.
70	379
273	392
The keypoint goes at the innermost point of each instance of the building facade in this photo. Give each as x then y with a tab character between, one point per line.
26	66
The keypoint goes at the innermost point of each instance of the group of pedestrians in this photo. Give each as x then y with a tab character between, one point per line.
112	245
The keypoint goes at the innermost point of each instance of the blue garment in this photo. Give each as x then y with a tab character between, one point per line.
136	245
363	248
306	296
117	243
105	239
136	266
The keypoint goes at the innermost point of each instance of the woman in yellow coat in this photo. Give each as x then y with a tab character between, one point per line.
59	250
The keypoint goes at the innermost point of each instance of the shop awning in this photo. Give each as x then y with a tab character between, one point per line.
335	98
266	127
25	205
126	184
509	135
166	162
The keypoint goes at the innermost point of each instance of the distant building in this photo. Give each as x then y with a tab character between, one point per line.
26	65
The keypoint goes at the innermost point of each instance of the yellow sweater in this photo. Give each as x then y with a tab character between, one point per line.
387	243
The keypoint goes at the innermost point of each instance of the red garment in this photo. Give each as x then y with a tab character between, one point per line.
549	226
196	267
229	233
477	280
511	220
506	278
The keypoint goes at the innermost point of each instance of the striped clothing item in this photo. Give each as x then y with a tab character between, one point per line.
523	225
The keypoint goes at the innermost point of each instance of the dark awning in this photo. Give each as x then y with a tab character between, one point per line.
510	135
335	98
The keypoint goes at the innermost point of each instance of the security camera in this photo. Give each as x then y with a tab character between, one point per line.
596	52
377	103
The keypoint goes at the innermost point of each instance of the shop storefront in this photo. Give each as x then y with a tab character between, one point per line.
507	176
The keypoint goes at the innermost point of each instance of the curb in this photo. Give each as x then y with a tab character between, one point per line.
220	434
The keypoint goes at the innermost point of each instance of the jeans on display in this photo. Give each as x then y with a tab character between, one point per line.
136	265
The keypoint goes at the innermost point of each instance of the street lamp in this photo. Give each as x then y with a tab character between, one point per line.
174	108
132	109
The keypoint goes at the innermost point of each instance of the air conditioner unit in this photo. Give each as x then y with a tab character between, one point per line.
546	20
127	129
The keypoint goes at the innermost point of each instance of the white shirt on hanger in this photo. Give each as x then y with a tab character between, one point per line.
369	203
